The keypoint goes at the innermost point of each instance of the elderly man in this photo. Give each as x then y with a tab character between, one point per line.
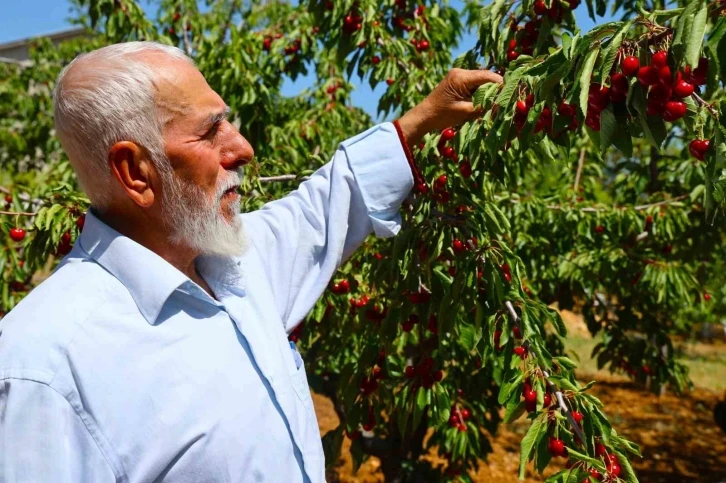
157	350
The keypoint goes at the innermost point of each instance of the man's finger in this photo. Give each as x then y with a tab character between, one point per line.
472	79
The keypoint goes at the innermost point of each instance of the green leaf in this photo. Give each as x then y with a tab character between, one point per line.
511	81
612	51
528	442
507	389
543	455
608	127
585	75
597	463
419	407
469	335
443	404
627	472
688	37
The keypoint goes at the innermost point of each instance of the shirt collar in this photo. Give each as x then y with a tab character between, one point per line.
149	278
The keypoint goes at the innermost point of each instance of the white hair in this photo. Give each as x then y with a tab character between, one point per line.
106	96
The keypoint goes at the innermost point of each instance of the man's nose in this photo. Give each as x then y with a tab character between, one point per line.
237	152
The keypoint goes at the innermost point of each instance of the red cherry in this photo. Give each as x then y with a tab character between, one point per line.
462	427
433	324
517	333
613	469
454	420
577	416
593	121
665	76
439	375
659	93
655	108
648	75
594	474
465	414
171	31
530	396
410	371
465	169
698	148
557	447
375	60
529	100
565	109
521	351
521	108
448	134
17	234
598	97
512	44
630	65
177	16
390	82
682	89
267	43
706	296
422	188
547	400
447	152
458	246
497	338
512	55
80	222
659	59
600	450
423	45
540	8
674	110
407	326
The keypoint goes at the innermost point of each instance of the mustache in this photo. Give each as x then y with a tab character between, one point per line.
232	181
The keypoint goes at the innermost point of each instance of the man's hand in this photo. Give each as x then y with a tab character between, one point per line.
448	105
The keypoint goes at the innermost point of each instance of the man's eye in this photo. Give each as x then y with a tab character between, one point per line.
212	131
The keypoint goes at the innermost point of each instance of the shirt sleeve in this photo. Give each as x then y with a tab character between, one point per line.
304	237
42	438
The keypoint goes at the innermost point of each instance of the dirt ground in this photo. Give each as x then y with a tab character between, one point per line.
677	435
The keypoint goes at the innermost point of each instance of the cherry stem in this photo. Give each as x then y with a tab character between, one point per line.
550	385
708	106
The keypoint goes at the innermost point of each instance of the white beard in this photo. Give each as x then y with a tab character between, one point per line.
197	222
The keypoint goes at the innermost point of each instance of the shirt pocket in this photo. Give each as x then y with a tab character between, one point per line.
300	383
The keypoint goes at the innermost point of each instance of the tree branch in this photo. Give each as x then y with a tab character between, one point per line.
16	213
550	385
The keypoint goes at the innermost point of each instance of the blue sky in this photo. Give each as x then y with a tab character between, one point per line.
28	18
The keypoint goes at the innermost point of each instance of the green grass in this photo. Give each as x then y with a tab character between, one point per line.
706	363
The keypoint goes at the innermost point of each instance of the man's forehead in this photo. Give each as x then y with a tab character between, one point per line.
184	91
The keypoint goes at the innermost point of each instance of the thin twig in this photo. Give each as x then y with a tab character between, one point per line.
708	106
580	163
282	177
17	213
187	43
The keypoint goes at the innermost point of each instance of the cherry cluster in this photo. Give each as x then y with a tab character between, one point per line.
424	374
665	92
458	417
528	34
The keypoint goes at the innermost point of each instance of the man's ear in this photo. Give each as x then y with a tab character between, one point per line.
131	166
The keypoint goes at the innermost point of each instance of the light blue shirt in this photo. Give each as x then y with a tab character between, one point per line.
120	368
